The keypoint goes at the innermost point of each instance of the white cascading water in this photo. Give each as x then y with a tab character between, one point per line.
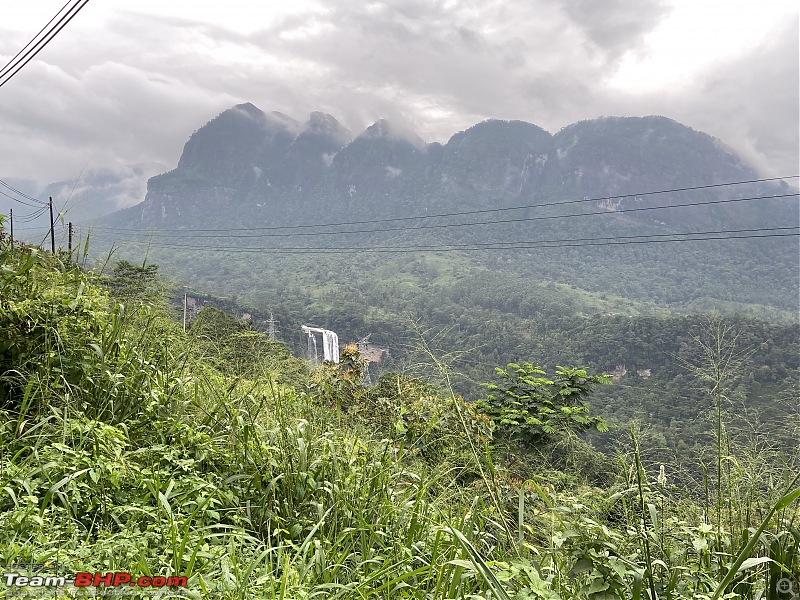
312	347
330	344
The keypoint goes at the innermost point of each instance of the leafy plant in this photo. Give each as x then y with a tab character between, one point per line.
527	405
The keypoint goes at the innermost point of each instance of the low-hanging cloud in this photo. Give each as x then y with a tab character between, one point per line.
134	90
616	26
750	103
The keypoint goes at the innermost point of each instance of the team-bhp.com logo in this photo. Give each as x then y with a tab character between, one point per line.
87	580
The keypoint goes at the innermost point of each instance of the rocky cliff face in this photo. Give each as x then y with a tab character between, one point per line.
266	168
244	160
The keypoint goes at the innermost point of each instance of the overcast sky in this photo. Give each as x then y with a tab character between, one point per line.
128	82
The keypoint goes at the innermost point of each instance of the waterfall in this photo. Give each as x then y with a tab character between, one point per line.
312	348
330	344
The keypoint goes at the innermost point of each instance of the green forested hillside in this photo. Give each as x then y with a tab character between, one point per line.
595	270
478	319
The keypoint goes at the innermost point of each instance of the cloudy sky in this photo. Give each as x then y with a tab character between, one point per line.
128	82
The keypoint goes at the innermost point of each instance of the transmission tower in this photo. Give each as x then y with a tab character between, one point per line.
272	327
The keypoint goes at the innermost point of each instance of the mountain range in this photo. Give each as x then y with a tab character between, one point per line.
246	164
643	209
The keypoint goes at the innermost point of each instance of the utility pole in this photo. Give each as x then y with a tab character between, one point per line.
69	243
184	310
52	229
11	217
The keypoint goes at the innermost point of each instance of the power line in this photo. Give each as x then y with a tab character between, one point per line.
517	245
179	234
32	216
24	195
8	64
23	57
40	228
512	244
485	210
18	200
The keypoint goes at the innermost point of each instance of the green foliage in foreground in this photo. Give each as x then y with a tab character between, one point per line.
535	408
129	445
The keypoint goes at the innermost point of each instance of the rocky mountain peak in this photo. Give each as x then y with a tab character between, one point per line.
383	129
249	109
320	123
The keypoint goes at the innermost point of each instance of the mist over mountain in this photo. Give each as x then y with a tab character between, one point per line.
92	193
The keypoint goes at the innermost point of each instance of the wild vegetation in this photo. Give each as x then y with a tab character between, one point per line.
477	319
127	444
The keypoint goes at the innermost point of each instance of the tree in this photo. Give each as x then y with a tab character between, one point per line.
526	404
132	283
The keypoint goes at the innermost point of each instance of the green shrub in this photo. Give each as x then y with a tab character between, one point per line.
530	407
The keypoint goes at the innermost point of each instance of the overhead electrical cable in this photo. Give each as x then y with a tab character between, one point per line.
485	210
499	245
39	228
32	216
18	200
24	195
37	44
191	234
773	232
474	248
31	220
8	65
